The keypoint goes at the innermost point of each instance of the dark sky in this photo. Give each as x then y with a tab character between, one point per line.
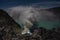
11	3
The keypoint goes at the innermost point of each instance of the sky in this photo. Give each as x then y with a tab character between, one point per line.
12	3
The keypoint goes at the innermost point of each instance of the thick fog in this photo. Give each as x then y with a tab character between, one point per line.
30	13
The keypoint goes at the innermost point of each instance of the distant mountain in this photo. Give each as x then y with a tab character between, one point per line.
56	11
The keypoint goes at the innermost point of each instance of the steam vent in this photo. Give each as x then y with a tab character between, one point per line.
10	30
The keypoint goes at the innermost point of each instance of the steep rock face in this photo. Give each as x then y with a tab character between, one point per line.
5	18
7	25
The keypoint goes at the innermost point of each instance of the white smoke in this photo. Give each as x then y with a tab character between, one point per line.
24	13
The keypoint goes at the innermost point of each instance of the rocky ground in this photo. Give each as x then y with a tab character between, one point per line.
10	30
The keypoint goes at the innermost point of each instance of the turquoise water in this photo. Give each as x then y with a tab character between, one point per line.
49	24
44	24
